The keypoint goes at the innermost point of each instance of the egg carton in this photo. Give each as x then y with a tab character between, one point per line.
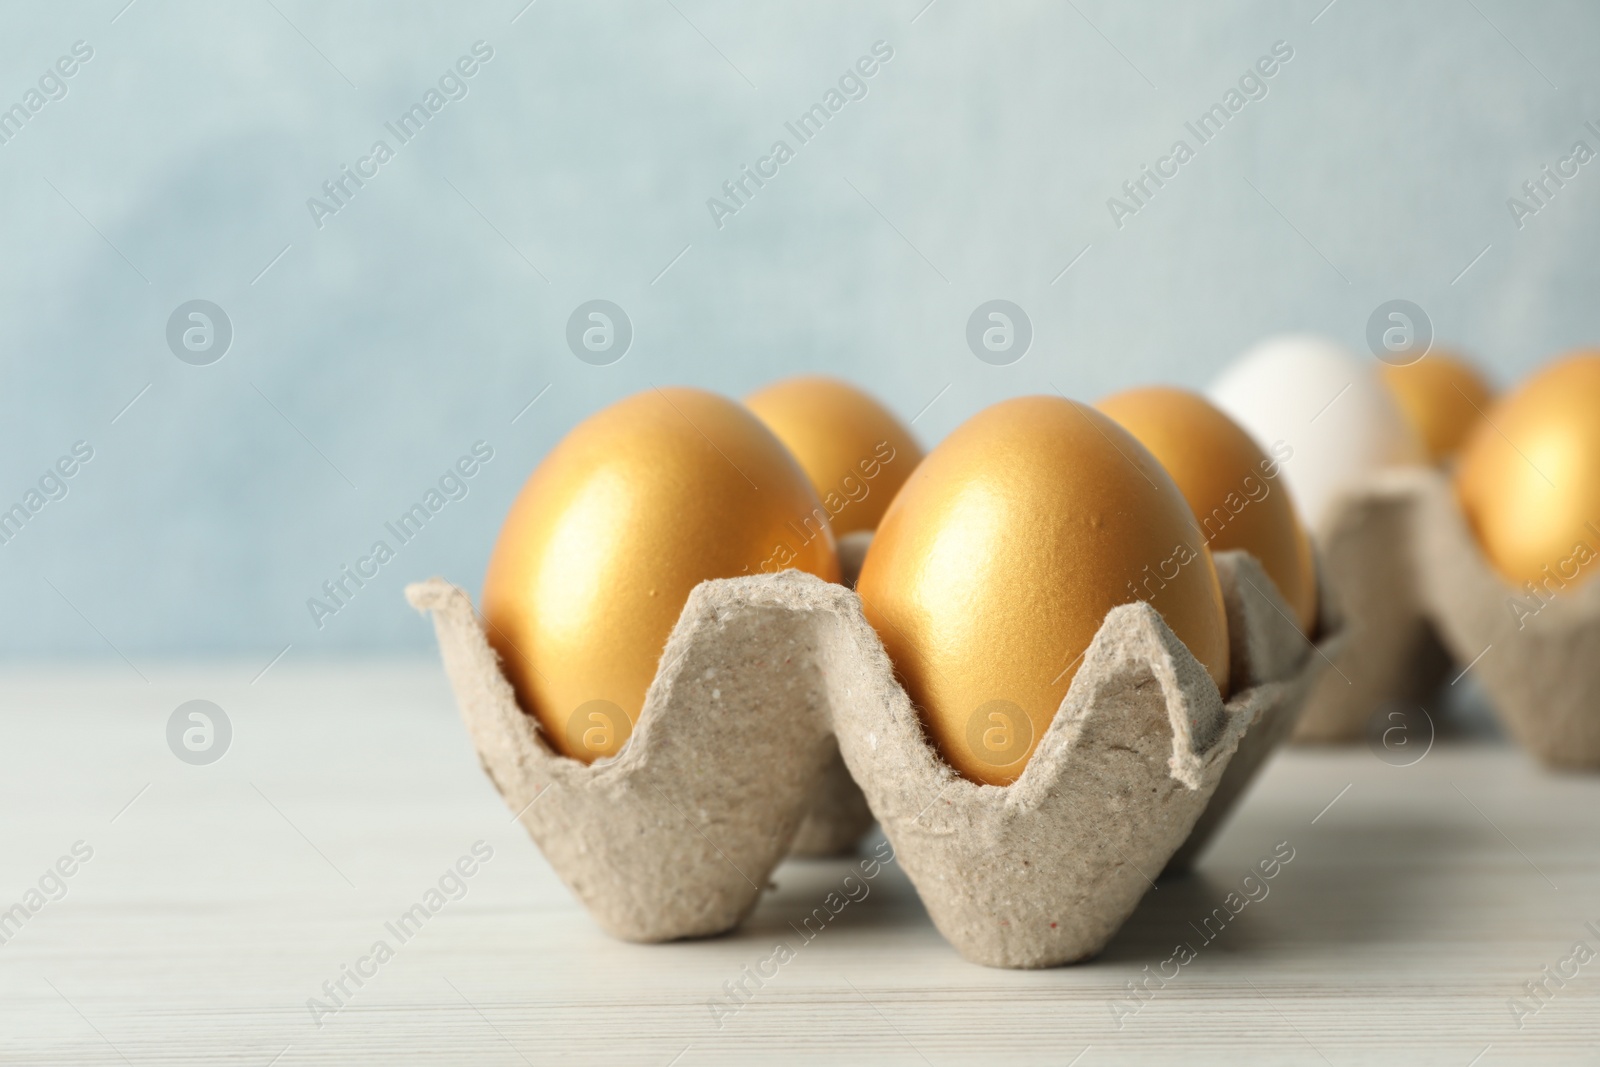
1370	578
1538	659
766	679
1265	646
837	817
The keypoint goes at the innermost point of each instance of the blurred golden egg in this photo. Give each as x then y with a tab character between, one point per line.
1529	477
994	568
635	507
1232	486
856	453
1442	396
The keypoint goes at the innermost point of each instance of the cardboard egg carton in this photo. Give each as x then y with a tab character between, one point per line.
1410	574
1538	658
765	680
1265	647
838	816
1371	579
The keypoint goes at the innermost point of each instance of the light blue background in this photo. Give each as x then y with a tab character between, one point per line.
179	164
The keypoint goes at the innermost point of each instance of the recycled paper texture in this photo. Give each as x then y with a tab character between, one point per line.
1536	652
1044	871
766	678
838	817
1417	591
1265	648
677	834
1371	581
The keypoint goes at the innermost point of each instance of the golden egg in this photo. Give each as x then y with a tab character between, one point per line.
1528	477
994	568
1442	396
856	453
1232	486
634	508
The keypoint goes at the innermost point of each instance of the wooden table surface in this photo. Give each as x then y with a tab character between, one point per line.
219	899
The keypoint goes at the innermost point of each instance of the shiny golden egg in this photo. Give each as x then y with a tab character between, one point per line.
1232	486
1442	396
854	450
1528	477
640	503
995	565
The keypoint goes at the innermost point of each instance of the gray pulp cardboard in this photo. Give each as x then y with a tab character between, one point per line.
838	817
1408	574
1043	871
1266	647
1371	580
1538	658
676	836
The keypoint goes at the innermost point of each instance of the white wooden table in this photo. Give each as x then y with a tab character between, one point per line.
220	898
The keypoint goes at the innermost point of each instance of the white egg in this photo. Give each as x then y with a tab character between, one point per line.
1324	413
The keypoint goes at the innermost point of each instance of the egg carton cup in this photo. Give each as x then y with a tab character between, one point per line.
1371	585
677	834
838	817
1537	659
764	678
1265	647
1142	757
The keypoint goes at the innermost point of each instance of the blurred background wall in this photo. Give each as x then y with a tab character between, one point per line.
376	338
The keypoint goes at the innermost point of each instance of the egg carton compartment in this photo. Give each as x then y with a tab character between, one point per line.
1537	657
1045	870
1371	585
677	834
1265	646
764	679
1404	568
838	817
